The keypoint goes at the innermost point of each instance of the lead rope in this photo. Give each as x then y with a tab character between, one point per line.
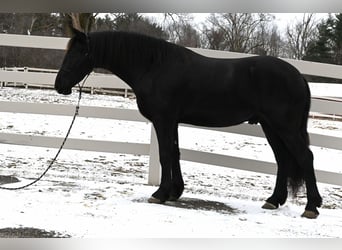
62	145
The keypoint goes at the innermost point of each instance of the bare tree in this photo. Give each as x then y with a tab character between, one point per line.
177	20
238	31
136	22
213	38
75	20
80	21
180	29
300	34
269	41
275	43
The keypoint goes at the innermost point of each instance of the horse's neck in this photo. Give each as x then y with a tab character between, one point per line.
107	56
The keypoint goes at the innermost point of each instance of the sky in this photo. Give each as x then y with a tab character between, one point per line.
282	19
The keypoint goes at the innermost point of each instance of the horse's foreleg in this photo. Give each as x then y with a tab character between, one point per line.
168	154
177	179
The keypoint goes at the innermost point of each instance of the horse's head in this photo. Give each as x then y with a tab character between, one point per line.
76	65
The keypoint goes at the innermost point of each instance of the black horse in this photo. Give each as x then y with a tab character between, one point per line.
175	85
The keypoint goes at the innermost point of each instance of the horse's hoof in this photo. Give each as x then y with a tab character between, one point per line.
310	214
154	200
268	205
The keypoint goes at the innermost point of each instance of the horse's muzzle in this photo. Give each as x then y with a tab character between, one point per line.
64	91
60	86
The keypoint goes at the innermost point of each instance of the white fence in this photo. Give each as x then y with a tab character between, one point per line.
43	78
319	105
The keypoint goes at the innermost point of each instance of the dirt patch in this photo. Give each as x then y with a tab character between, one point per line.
5	179
198	204
28	232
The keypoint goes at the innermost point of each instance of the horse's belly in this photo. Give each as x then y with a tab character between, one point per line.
216	117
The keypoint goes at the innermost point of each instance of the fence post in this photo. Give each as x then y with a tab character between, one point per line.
4	84
25	84
15	83
1	82
154	171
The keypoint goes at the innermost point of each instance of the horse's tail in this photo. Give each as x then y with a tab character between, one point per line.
296	175
304	124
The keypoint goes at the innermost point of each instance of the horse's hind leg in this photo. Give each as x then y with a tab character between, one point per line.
297	144
304	158
284	161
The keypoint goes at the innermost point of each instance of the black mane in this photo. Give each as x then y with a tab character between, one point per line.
133	48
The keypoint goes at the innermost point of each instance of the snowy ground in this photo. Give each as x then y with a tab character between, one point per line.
105	195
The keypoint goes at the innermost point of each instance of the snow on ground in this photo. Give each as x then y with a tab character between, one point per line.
89	194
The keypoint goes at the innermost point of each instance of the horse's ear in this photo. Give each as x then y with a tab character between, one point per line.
79	34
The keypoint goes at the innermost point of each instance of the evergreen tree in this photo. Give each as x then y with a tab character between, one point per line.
337	39
30	24
104	23
320	49
327	48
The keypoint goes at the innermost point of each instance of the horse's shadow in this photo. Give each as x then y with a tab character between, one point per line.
198	204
